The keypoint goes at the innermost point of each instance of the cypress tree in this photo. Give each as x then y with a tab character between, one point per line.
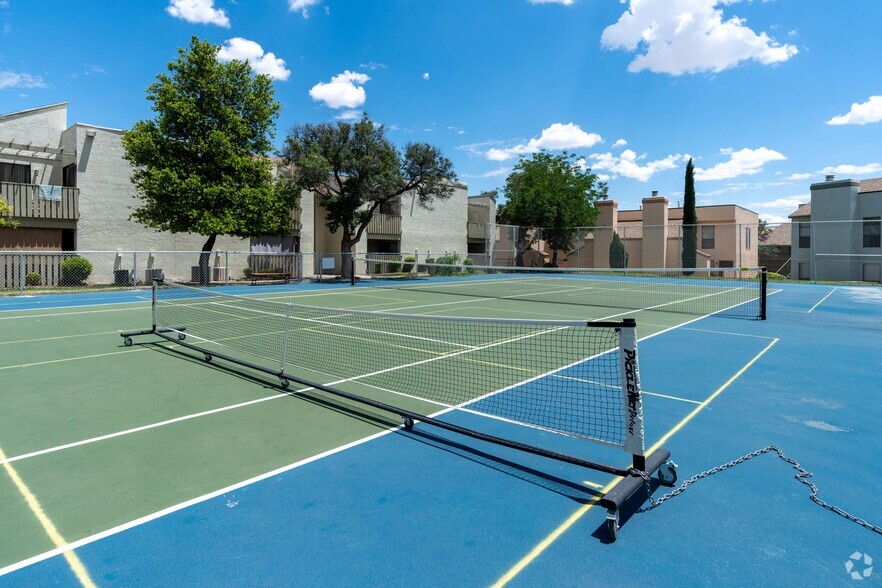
690	221
618	257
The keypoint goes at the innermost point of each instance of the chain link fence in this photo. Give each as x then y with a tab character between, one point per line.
47	272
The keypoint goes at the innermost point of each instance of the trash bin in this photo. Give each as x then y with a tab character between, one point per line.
122	277
153	274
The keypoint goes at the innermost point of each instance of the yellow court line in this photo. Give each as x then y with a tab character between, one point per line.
59	337
73	561
573	518
592	484
24	365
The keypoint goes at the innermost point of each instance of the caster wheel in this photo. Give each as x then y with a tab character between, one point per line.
667	473
284	383
207	357
182	336
408	423
127	341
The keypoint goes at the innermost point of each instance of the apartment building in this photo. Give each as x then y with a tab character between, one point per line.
836	236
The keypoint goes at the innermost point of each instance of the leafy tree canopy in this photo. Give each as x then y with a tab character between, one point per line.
555	193
201	165
353	168
5	214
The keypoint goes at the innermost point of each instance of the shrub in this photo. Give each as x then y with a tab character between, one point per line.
33	279
466	263
247	273
75	270
393	267
449	259
430	269
407	266
776	277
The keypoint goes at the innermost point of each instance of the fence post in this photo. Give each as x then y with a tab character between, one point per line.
20	272
814	265
134	269
226	268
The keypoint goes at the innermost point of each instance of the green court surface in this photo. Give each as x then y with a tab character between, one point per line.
96	435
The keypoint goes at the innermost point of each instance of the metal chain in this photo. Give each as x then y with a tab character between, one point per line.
802	476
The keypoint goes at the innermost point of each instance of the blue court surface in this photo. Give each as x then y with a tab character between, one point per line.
248	496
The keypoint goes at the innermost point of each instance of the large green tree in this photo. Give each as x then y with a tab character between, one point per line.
354	169
555	193
690	221
6	216
201	165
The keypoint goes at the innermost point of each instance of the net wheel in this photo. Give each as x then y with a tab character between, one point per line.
207	357
612	529
182	336
408	423
127	341
284	383
667	473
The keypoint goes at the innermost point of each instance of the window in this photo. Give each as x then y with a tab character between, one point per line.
392	207
872	231
707	237
747	239
17	173
69	176
805	235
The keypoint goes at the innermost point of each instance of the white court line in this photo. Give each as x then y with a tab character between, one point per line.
193	501
822	300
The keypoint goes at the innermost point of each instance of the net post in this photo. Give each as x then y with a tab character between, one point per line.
631	396
153	303
352	271
285	342
764	288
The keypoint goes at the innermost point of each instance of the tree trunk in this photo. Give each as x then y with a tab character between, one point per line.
346	255
554	257
205	259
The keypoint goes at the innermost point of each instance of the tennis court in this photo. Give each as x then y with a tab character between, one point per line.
146	464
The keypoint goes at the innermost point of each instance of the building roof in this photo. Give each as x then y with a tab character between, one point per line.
32	110
870	185
779	235
803	210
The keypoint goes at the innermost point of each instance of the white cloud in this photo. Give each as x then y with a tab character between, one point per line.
563	2
774	219
555	138
345	90
741	163
619	143
789	202
853	170
426	76
303	6
4	3
860	114
11	79
349	115
627	164
373	65
495	173
198	12
262	63
798	177
689	36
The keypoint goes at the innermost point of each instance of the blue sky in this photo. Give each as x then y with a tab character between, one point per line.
766	95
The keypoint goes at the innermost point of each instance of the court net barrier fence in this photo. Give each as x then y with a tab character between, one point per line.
572	378
736	292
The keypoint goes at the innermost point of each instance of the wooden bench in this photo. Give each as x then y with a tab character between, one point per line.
255	276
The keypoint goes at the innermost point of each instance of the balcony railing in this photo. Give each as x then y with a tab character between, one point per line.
384	224
477	230
27	204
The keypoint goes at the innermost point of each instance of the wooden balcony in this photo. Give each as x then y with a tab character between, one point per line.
385	224
477	230
27	204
